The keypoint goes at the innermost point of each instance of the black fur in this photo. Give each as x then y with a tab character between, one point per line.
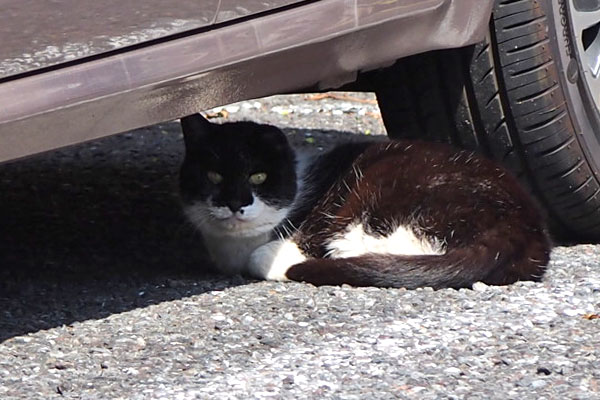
491	229
236	151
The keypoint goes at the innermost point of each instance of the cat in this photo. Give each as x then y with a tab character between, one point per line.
387	214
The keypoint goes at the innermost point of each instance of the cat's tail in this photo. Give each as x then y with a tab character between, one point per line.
457	268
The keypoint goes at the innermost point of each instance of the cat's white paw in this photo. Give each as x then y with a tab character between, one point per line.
272	260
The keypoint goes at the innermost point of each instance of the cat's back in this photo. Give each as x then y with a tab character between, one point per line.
404	177
418	165
410	165
425	160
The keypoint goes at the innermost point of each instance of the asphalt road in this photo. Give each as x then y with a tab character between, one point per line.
105	294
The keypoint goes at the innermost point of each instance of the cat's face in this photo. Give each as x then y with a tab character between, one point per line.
237	179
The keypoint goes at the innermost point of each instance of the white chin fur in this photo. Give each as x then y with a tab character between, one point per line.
256	219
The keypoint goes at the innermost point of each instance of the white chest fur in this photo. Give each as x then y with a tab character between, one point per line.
231	254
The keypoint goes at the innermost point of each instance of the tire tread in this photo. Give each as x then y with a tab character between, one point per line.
503	98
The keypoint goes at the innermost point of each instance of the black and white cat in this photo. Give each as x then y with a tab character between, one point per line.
389	214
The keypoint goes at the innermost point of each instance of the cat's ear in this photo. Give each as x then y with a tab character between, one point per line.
195	128
273	135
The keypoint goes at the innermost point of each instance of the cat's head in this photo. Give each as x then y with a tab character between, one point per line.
238	178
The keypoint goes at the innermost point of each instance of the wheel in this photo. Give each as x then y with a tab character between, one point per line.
527	96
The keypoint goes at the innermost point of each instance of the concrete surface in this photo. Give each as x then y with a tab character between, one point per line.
104	294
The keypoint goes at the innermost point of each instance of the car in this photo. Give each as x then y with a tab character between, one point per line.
518	80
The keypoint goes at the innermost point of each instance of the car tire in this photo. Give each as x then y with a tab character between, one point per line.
522	97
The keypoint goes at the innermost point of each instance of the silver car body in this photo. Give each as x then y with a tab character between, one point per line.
76	70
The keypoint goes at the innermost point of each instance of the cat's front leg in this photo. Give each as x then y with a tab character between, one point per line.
272	260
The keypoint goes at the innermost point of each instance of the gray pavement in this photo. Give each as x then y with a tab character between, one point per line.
105	294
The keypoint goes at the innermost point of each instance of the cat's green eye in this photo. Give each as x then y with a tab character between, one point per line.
214	177
258	178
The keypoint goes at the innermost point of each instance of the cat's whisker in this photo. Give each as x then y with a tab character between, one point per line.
357	172
279	235
328	215
408	214
346	185
286	230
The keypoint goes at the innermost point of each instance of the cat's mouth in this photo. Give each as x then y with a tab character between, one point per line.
243	215
238	226
234	222
222	221
234	218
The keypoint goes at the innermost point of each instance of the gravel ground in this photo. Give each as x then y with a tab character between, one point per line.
104	294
